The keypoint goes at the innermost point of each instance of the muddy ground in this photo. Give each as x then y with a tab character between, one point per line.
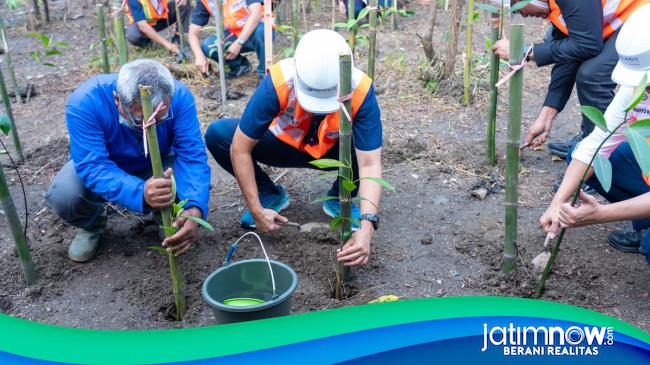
435	238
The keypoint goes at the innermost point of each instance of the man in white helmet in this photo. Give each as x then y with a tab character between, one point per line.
292	119
630	190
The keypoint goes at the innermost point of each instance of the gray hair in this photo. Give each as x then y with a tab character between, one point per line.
144	72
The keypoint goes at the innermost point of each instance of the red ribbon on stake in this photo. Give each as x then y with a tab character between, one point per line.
515	68
151	121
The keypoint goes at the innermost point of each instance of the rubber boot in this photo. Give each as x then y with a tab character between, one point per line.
84	245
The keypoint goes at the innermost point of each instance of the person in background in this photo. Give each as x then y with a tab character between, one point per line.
629	194
243	33
108	162
581	48
293	119
148	17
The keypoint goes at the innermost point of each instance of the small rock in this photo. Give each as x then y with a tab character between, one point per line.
427	239
540	260
313	226
480	193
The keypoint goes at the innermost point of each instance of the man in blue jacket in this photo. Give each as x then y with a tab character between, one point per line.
108	162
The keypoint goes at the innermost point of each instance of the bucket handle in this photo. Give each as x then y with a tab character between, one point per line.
233	247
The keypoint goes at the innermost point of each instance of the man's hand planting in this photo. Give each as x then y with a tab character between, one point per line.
181	241
158	191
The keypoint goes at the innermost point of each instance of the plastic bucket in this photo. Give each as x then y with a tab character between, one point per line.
234	290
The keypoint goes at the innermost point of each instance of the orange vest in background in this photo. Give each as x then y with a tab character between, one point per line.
150	11
292	123
235	14
615	13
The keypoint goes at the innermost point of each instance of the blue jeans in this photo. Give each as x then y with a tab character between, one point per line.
627	183
269	150
254	44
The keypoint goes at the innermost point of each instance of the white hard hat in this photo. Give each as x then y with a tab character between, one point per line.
633	47
317	70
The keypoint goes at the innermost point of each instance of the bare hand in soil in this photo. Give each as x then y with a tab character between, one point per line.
158	191
266	220
173	48
587	213
550	220
537	133
233	51
201	62
502	48
357	250
181	241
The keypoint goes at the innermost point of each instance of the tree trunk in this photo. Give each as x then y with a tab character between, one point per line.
37	11
454	32
46	10
427	38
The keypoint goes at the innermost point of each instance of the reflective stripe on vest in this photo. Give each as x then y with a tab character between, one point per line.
615	13
151	14
292	123
235	14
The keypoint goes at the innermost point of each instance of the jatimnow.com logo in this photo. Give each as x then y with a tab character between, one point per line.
547	340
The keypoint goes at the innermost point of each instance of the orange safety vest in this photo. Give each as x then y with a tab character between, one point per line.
235	14
615	13
150	12
292	122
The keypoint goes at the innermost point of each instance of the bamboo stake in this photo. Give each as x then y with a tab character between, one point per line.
512	156
157	169
14	131
268	35
101	27
10	67
372	38
393	17
345	157
334	2
218	18
16	231
120	39
468	52
352	37
493	97
295	16
179	25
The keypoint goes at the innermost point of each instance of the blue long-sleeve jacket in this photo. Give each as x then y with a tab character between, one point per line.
106	154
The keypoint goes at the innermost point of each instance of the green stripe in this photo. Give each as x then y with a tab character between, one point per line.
55	343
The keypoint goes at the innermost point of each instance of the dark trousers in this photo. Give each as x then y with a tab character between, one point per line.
627	183
139	39
269	150
254	44
593	79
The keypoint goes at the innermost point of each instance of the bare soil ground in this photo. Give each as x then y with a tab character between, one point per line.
435	238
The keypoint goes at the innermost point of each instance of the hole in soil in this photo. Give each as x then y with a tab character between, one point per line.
349	290
167	312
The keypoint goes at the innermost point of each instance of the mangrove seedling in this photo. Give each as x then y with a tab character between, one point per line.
7	203
49	48
347	182
636	133
10	119
170	213
10	67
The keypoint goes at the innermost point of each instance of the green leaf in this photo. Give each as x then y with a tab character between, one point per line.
169	231
282	28
336	223
61	44
5	124
520	5
381	182
348	185
639	93
595	116
406	13
487	7
488	43
364	26
327	163
642	126
200	221
41	37
327	175
363	13
603	169
52	52
324	198
475	16
640	148
49	64
36	56
158	249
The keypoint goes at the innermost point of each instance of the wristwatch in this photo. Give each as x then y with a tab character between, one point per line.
241	41
372	218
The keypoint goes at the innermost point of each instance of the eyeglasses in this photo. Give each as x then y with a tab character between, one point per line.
168	114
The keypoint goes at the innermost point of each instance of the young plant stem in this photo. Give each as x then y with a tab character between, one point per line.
179	24
490	144
512	149
16	231
345	171
467	67
218	19
10	67
393	16
352	36
574	200
101	27
295	17
14	131
157	169
372	38
120	39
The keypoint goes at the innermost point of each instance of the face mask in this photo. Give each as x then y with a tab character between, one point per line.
126	123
